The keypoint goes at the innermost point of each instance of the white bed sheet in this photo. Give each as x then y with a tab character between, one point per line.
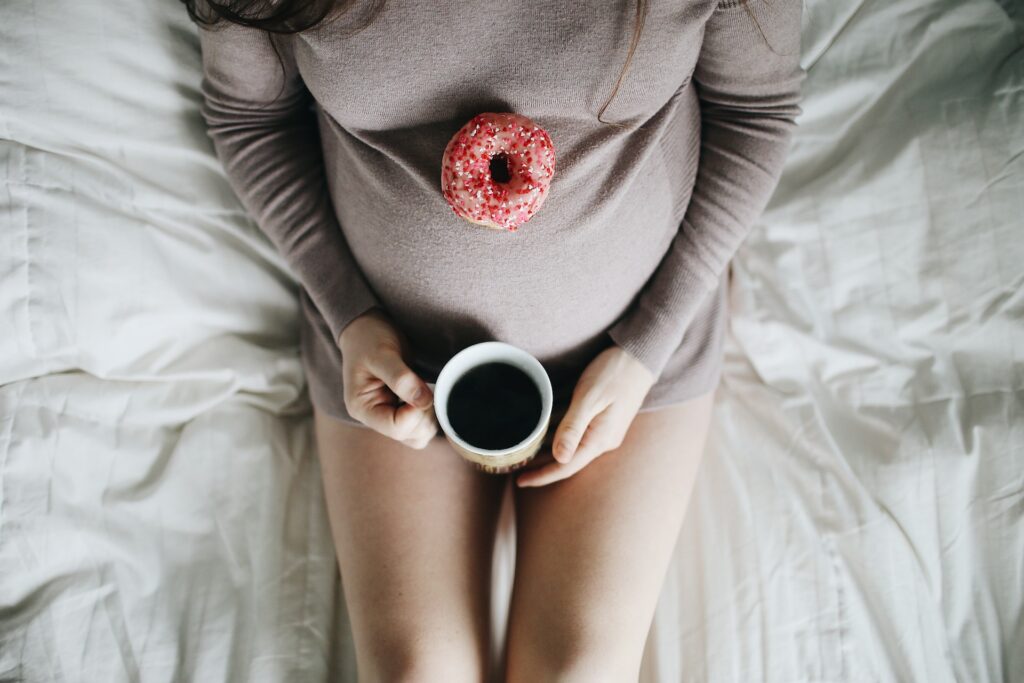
160	510
860	513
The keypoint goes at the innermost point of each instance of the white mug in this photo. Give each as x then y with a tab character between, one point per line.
505	459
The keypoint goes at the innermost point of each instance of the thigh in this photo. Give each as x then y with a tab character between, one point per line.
592	551
414	533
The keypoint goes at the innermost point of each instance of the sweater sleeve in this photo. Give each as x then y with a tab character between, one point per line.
748	79
258	114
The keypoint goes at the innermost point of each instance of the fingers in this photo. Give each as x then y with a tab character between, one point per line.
402	423
549	474
583	408
375	374
400	378
591	446
372	402
413	421
425	433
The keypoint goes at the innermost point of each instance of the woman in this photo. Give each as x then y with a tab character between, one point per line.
670	124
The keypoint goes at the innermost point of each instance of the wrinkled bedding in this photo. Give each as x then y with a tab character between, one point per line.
860	512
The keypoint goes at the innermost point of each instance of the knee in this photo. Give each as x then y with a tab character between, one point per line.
421	671
598	669
574	656
422	662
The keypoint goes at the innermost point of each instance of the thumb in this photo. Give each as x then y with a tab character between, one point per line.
581	411
400	378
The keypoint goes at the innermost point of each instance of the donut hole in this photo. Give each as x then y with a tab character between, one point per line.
499	168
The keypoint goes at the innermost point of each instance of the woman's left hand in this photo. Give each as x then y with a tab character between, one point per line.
604	402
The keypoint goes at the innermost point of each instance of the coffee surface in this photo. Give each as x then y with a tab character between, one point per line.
494	406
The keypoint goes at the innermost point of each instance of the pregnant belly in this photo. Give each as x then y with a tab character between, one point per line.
552	287
552	290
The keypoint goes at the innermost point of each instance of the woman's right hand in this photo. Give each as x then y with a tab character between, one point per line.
377	380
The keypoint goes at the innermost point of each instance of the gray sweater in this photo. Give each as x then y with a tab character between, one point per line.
337	155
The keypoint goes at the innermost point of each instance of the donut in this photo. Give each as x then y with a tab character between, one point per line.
497	169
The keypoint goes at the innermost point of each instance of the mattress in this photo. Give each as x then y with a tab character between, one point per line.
859	515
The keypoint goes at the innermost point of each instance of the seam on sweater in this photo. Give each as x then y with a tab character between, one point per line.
695	249
733	4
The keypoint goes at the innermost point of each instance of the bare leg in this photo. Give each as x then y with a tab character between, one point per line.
592	552
414	533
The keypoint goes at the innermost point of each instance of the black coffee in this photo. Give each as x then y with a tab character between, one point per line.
494	406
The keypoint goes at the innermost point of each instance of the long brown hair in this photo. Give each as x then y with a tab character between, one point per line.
293	16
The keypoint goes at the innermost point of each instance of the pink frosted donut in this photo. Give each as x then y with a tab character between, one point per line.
497	169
